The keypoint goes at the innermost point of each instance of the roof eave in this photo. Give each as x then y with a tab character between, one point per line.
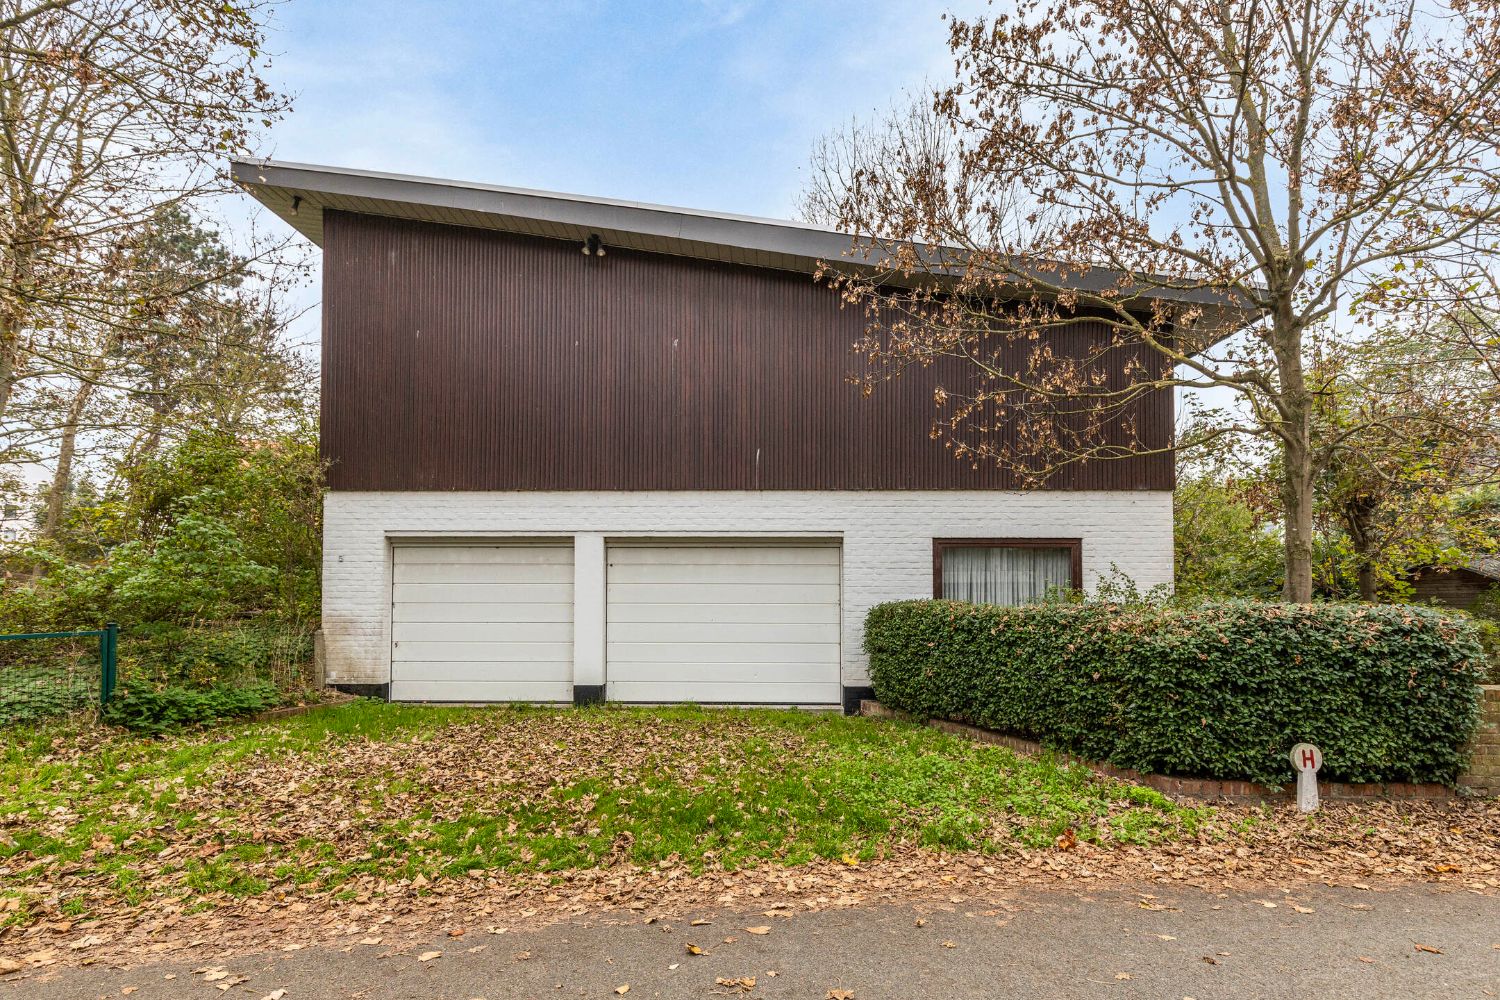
300	193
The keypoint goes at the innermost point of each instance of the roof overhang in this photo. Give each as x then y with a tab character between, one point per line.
300	193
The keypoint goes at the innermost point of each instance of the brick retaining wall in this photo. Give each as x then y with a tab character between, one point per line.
1483	776
1484	770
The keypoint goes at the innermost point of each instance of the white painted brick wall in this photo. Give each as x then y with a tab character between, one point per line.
887	541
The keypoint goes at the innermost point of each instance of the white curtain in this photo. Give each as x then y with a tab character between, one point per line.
993	574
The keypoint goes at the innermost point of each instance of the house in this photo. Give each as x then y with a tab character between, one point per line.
582	449
1458	586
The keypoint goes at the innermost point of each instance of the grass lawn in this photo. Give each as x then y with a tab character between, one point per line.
344	794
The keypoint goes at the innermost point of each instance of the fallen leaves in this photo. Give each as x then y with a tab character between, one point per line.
428	956
342	795
738	984
622	989
839	995
1429	949
757	930
693	949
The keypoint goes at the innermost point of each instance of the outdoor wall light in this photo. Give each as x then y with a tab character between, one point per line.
593	246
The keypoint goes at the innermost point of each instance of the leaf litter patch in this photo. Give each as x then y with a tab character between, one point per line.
386	825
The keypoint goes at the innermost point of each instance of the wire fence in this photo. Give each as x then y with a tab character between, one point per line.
56	673
47	675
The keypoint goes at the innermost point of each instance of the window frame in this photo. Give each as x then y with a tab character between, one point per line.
939	545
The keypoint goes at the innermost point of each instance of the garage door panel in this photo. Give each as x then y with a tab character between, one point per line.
723	573
719	614
688	653
691	674
516	555
533	652
736	632
482	671
529	574
726	693
671	554
529	691
723	623
725	593
483	593
482	631
482	623
439	612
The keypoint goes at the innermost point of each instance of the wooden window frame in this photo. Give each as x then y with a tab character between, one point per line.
940	545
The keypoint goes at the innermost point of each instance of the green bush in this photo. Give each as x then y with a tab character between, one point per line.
145	710
165	654
1220	690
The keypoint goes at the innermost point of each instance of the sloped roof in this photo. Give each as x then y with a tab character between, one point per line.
300	192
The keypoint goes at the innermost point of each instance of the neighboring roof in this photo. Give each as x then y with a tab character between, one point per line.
1488	566
299	192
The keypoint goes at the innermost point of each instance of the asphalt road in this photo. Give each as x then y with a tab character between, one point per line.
1319	942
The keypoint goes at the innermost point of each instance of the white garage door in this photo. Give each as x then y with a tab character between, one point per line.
482	622
732	623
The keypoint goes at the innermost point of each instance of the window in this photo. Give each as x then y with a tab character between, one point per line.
1004	570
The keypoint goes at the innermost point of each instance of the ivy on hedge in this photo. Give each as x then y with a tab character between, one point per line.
1220	690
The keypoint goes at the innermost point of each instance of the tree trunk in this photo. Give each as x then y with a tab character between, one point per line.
10	347
62	476
1297	457
1358	520
1297	502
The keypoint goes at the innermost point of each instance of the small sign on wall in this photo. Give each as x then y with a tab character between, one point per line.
1308	760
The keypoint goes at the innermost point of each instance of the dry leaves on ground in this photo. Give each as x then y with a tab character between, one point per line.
313	797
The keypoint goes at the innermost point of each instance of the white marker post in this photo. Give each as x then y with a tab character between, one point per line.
1307	759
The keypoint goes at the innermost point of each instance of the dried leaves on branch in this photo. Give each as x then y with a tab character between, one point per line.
1155	168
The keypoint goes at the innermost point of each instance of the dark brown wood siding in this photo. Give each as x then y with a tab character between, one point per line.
463	359
1458	588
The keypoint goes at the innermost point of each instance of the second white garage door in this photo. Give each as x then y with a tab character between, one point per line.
725	623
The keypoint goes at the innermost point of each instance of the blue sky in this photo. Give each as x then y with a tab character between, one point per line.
711	104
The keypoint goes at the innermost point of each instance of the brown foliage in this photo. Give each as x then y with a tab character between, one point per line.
1119	158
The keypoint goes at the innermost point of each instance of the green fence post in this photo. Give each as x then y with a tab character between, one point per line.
109	649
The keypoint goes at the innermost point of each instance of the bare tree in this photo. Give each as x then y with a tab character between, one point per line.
110	110
195	343
1308	163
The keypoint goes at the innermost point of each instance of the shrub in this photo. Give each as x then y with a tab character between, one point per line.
1219	690
145	710
165	654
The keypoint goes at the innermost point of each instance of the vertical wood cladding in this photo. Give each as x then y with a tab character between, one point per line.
463	359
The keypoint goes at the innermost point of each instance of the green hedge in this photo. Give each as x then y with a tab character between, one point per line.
1216	690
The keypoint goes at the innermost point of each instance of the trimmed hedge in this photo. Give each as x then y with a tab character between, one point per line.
1218	690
